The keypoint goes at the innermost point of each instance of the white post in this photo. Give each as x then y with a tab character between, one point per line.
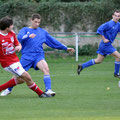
76	46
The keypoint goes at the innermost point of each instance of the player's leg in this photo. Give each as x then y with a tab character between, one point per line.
43	66
116	54
25	76
9	90
89	63
17	69
26	64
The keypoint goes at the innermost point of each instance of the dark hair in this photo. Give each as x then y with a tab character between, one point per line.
36	15
117	11
5	23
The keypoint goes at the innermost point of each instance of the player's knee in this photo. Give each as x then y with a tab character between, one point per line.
117	59
98	61
26	76
19	80
46	71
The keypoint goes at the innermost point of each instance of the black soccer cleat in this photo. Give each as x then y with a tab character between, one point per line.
44	95
79	69
117	75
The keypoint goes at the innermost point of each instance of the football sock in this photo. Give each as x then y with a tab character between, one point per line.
10	88
47	82
117	66
36	89
88	63
8	84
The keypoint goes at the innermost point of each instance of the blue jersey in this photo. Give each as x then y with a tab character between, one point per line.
34	45
32	50
109	30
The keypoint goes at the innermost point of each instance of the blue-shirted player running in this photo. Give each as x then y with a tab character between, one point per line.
32	39
108	32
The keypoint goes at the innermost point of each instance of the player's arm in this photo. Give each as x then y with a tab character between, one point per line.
104	39
72	50
53	43
24	35
18	47
101	30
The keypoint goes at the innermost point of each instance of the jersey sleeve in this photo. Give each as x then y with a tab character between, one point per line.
101	30
23	35
53	43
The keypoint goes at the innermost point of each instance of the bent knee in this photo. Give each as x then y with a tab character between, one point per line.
46	71
98	61
26	76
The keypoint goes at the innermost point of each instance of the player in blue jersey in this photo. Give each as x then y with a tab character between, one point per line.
32	38
108	32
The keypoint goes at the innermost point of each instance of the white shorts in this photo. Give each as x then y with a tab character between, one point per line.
15	68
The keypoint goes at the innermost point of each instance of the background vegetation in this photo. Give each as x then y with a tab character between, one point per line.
61	12
82	15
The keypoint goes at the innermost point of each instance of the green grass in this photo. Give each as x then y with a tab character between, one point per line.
83	97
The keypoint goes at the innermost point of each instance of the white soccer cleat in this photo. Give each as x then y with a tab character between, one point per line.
5	92
50	92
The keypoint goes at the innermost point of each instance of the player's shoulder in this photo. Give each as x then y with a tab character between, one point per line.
24	28
12	32
108	23
41	29
118	23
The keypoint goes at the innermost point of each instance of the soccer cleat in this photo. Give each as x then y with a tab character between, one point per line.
50	92
117	75
44	95
79	69
5	92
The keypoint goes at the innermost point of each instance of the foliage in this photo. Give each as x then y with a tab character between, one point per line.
85	50
88	49
73	15
70	14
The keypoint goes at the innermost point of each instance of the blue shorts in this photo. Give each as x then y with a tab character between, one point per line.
105	49
30	61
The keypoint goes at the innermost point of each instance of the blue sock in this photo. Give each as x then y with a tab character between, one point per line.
10	89
88	63
117	66
47	82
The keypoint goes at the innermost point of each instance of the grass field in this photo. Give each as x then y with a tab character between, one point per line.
83	97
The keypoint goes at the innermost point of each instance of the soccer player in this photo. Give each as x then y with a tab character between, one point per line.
9	60
108	32
32	38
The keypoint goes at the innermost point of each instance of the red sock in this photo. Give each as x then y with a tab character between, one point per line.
35	88
8	84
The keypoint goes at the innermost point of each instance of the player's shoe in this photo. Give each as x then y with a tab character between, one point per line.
79	69
44	95
117	75
50	92
5	92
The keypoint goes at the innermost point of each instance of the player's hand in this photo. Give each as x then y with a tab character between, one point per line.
32	35
106	40
18	48
72	50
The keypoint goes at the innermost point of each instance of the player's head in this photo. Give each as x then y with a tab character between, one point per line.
116	15
35	20
6	23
